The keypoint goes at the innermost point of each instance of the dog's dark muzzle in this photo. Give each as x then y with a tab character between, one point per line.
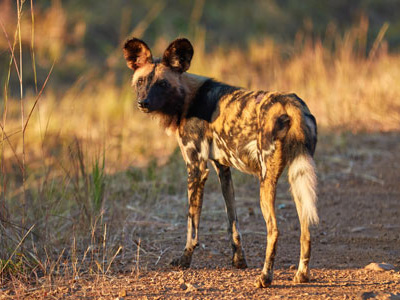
144	105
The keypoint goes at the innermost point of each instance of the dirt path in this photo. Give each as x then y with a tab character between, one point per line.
359	207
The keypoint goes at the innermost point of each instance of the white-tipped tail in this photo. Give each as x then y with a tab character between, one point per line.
303	182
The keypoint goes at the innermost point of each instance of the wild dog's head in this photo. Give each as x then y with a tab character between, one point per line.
158	82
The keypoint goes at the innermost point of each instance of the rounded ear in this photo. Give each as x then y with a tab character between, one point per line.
178	55
137	54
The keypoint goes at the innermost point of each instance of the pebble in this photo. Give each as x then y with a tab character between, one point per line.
191	288
367	295
379	296
358	229
379	267
323	241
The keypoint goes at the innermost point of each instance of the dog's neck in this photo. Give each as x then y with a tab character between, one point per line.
191	84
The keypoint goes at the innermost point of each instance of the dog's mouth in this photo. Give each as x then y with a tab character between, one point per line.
143	106
144	110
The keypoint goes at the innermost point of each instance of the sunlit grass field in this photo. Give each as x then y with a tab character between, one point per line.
80	165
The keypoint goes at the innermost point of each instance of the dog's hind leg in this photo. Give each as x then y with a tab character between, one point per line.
225	178
272	167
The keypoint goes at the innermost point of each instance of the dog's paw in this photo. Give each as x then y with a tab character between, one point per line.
301	278
239	262
263	281
182	262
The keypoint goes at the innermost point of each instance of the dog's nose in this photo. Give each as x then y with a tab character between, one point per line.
143	103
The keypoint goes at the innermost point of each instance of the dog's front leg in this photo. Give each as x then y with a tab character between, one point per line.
197	176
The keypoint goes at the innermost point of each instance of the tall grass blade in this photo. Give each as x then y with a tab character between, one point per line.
37	98
33	46
378	40
98	183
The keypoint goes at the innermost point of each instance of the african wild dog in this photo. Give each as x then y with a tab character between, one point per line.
256	132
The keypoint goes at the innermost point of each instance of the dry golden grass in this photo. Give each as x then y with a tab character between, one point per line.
345	91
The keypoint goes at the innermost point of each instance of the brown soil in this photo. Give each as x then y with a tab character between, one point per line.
359	208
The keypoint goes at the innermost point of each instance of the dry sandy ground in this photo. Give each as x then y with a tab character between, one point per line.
359	207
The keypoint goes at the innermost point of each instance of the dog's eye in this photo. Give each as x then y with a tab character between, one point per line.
139	82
